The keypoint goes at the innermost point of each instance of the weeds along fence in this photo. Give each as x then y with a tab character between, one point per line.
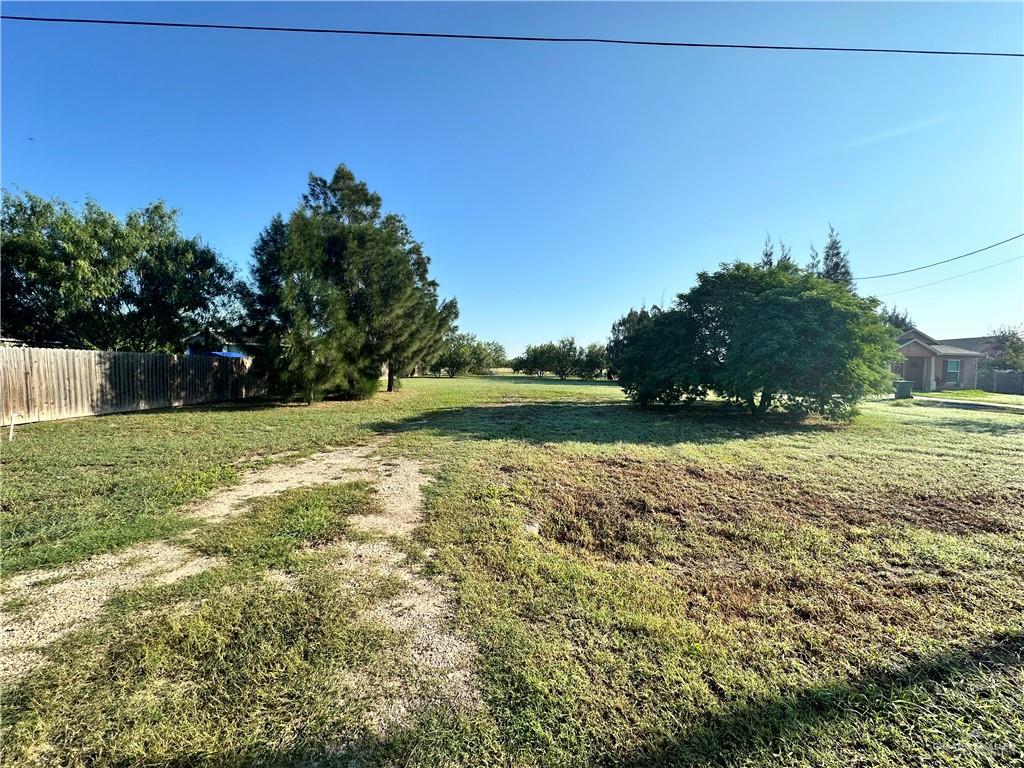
50	384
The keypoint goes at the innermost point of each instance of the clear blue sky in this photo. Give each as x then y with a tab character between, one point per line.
554	186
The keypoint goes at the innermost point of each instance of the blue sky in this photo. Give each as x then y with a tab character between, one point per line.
554	186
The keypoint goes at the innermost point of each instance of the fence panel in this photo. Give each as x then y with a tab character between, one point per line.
1008	382
49	384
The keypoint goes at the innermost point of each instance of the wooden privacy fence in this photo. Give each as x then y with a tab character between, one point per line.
1008	382
49	384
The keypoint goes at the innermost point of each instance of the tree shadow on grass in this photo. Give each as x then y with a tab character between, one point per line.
766	724
600	422
435	736
726	738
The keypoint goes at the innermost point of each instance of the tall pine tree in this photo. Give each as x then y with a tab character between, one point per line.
835	262
342	290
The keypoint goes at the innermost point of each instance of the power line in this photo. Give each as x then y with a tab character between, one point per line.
944	261
954	277
503	38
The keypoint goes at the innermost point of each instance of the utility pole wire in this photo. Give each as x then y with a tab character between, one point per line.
504	38
944	261
954	277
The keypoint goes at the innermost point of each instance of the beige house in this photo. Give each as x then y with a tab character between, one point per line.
933	364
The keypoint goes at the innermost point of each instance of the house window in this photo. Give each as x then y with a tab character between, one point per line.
952	371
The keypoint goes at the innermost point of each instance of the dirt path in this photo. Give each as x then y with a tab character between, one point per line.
334	466
42	606
57	601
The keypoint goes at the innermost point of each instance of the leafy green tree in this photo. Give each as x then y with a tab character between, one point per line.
565	358
544	356
463	353
174	285
592	362
90	280
496	355
1008	349
764	337
661	361
536	360
622	329
527	363
59	269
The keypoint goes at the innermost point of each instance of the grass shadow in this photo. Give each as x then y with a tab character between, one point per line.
983	427
600	422
765	725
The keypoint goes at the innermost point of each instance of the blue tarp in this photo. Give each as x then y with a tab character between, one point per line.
228	354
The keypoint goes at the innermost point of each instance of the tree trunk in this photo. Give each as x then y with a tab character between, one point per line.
760	407
391	379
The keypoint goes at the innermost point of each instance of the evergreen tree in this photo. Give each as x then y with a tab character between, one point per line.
264	302
342	290
896	318
785	256
835	262
768	260
266	315
320	348
814	261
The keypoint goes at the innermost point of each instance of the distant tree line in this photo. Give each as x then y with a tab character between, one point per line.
339	289
463	353
770	335
562	358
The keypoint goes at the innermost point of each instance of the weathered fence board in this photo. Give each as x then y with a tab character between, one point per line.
49	384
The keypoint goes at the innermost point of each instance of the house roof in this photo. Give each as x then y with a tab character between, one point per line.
981	344
933	345
906	336
205	333
949	349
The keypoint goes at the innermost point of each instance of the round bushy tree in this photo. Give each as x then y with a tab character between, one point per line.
763	336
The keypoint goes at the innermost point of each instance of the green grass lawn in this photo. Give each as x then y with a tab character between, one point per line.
701	589
977	395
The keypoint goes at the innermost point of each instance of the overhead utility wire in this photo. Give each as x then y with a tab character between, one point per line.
944	261
954	277
504	38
